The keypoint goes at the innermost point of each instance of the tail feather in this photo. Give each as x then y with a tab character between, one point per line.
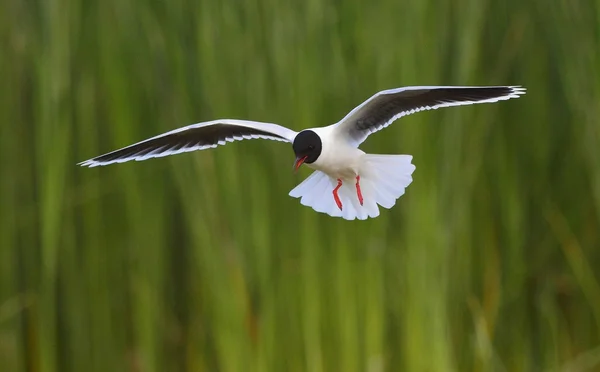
389	190
320	183
322	201
307	184
384	197
383	179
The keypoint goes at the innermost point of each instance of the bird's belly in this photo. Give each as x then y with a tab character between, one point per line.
346	168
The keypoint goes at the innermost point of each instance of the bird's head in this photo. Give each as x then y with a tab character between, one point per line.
307	147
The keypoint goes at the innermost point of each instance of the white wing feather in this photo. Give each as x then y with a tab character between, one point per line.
385	107
194	137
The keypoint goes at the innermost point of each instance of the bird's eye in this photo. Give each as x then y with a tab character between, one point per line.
311	147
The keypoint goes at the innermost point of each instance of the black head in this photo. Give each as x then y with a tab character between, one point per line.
307	147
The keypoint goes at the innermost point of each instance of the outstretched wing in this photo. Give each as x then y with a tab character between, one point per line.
194	137
383	108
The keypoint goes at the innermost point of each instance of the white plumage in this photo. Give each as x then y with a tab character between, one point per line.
347	182
384	179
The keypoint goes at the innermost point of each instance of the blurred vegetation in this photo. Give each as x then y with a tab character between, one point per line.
201	262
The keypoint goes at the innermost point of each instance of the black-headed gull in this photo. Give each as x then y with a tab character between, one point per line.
347	182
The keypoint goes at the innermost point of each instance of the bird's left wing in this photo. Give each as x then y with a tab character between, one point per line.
194	137
383	108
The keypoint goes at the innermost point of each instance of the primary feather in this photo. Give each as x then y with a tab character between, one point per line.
194	137
385	107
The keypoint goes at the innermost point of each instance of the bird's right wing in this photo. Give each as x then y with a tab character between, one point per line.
194	137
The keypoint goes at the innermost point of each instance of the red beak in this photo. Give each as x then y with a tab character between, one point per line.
299	162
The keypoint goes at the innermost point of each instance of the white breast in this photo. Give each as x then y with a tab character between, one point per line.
339	159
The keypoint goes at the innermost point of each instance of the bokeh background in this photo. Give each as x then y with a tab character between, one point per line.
202	262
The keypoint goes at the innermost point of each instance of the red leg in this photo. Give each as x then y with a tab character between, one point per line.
358	192
335	194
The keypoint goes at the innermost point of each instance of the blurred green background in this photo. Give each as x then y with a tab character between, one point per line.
202	262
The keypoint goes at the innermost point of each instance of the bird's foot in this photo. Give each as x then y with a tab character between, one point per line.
358	192
335	194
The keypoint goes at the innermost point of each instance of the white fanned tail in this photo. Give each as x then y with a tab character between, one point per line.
383	179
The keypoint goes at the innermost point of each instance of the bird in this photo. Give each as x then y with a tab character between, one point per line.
346	182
